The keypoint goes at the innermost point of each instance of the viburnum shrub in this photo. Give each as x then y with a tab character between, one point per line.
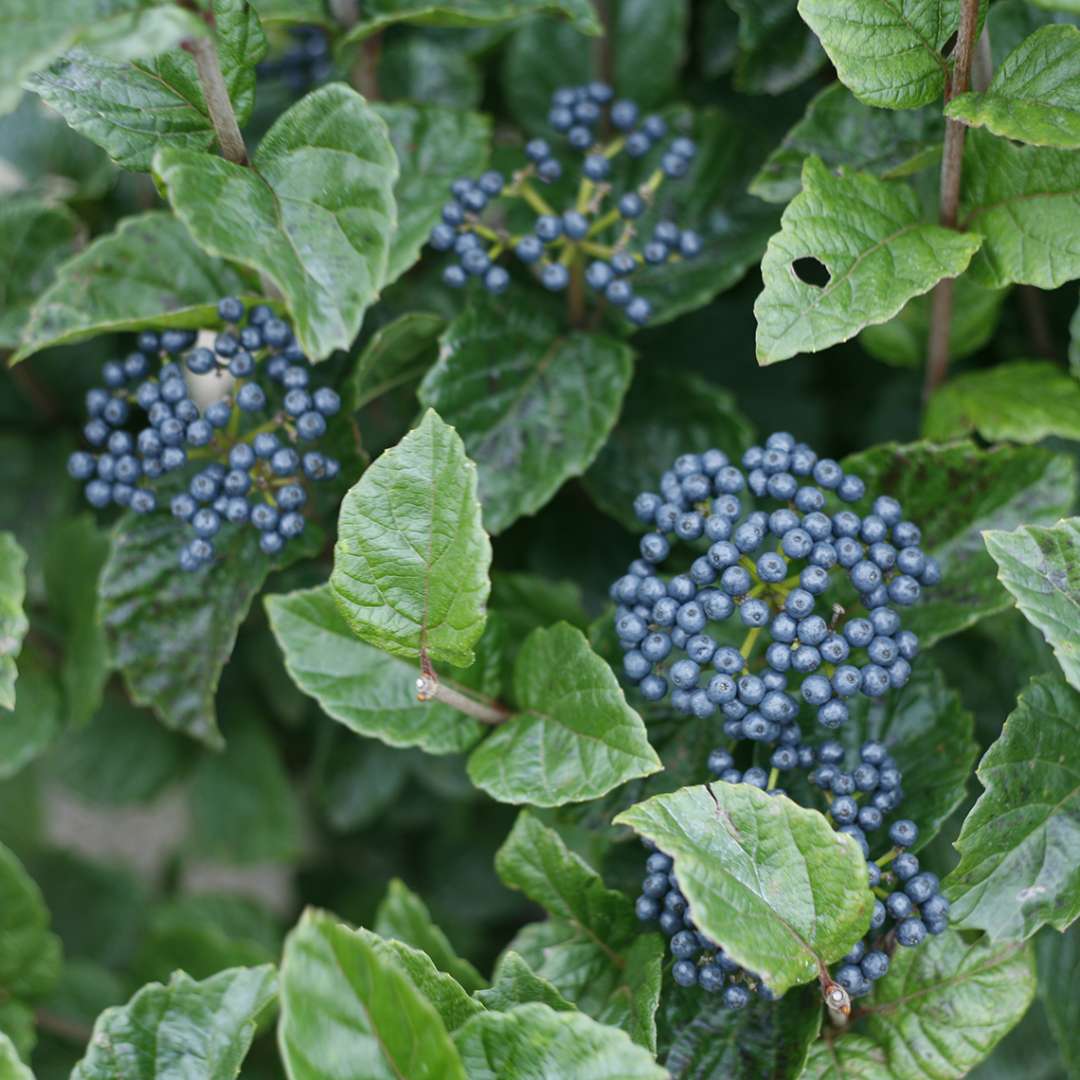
439	639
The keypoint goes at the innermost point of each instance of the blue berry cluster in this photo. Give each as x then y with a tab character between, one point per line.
597	240
769	538
251	437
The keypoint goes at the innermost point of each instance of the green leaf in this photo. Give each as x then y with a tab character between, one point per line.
411	561
122	757
533	404
1022	201
11	1068
378	14
592	949
666	414
163	1031
532	1042
314	214
30	957
243	807
38	237
953	492
1022	401
848	135
1033	95
147	273
701	1038
854	1057
13	621
34	34
574	738
17	1027
132	109
418	66
1016	870
1041	568
307	12
346	1006
1058	965
944	1006
888	54
369	692
870	236
771	882
171	633
398	353
515	983
357	780
404	916
76	552
434	146
931	735
27	731
775	50
902	340
649	49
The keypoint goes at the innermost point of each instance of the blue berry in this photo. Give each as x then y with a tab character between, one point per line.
251	398
555	277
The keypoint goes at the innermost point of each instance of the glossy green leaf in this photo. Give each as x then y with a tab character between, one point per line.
402	915
649	49
776	52
378	14
35	720
411	561
591	949
533	1042
398	353
1022	201
147	273
574	736
666	414
1016	870
357	781
1033	96
854	1057
953	492
347	1009
887	54
171	633
848	135
1021	401
1041	568
306	12
1058	965
38	237
434	145
943	1007
163	1031
73	561
418	66
926	728
13	621
132	109
369	692
902	340
771	882
33	34
515	983
243	807
701	1038
532	403
871	237
314	214
11	1068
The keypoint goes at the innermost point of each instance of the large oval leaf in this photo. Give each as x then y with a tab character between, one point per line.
13	621
773	883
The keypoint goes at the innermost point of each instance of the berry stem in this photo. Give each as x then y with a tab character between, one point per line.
888	857
216	94
600	251
430	688
774	775
749	642
534	198
605	222
575	295
937	364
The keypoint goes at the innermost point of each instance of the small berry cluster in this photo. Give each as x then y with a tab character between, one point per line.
764	570
595	241
305	64
254	473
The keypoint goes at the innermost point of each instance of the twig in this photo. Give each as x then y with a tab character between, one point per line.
69	1030
218	102
937	363
429	688
605	44
365	72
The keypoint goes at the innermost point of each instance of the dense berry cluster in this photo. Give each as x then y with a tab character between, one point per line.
768	542
250	435
305	64
598	239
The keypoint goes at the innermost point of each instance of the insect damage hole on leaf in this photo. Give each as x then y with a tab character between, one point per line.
811	271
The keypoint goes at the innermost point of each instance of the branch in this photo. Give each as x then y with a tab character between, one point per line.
70	1031
429	688
937	363
218	102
